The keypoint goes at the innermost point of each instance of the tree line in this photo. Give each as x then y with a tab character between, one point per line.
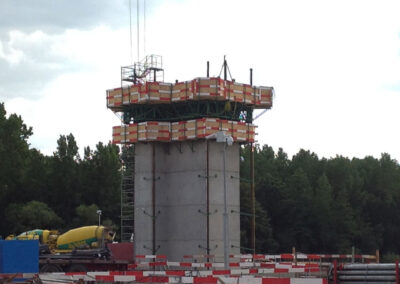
317	205
61	191
322	205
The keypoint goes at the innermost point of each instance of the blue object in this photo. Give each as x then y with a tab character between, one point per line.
19	256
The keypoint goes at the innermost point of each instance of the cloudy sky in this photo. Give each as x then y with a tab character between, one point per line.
335	65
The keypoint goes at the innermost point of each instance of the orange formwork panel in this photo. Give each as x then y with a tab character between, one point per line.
183	130
264	97
178	131
208	89
156	92
182	91
154	131
236	92
125	134
114	97
249	95
132	95
197	89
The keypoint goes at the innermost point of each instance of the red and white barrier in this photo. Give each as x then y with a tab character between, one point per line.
132	276
242	267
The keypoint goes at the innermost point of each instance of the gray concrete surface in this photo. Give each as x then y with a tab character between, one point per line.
181	184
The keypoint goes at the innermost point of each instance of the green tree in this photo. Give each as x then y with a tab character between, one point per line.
14	151
64	179
101	179
32	215
86	215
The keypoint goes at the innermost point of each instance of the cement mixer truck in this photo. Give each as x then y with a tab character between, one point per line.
80	249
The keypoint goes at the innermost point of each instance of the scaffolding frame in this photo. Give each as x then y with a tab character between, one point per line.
128	193
148	70
187	110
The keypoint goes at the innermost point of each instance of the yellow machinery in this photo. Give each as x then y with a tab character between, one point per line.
84	238
87	237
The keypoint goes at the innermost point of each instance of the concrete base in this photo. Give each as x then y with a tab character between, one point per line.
174	177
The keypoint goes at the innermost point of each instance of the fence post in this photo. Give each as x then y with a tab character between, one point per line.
294	255
335	272
377	256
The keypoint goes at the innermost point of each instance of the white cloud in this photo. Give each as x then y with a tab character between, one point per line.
9	53
74	102
334	66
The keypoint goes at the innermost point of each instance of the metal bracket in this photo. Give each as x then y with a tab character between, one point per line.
154	179
241	179
207	214
179	146
145	247
243	213
191	145
214	176
200	246
151	216
242	248
166	148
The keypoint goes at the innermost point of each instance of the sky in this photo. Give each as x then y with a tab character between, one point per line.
335	65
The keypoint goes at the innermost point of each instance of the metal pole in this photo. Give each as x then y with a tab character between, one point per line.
226	227
225	74
137	15
208	69
208	198
153	197
99	213
253	200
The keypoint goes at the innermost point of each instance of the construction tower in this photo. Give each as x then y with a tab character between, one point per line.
186	198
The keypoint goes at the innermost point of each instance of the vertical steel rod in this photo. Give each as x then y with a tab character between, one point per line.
225	216
252	190
208	69
208	198
153	197
225	67
138	30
